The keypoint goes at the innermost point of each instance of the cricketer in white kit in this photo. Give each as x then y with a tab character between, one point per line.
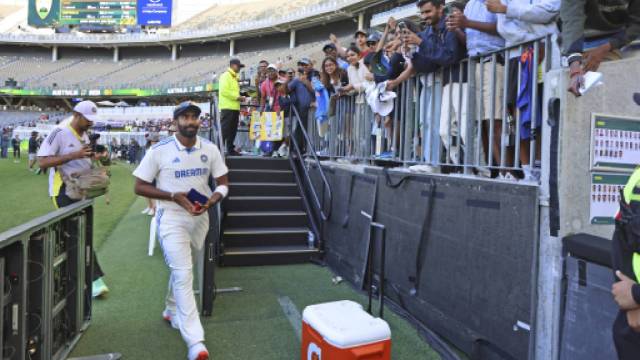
178	164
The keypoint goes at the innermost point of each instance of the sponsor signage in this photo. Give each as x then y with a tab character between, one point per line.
155	12
209	87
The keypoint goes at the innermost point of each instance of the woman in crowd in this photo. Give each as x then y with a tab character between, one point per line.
357	73
333	78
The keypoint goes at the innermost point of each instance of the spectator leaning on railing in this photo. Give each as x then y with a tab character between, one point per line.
436	46
521	21
357	74
302	95
333	78
477	27
594	31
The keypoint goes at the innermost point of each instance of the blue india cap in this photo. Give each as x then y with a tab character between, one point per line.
184	107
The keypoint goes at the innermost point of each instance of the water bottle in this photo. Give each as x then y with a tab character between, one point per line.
311	240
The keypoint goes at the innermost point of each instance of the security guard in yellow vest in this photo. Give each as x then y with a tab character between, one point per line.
626	263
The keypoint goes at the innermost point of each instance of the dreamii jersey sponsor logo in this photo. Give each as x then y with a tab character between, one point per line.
191	172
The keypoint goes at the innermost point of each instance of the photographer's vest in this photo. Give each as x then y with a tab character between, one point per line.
57	176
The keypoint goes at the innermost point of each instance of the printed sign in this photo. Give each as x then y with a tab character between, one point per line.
615	143
154	12
605	196
266	126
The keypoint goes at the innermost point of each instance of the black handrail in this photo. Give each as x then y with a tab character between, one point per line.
293	114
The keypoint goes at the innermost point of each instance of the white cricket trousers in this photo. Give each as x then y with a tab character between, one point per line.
180	236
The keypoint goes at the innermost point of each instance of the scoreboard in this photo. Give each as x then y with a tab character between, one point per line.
79	12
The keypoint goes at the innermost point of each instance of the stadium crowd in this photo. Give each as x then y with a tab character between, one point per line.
448	34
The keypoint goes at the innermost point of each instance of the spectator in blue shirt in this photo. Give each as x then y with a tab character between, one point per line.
477	27
435	47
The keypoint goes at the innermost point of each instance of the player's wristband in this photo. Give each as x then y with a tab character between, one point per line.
173	196
222	190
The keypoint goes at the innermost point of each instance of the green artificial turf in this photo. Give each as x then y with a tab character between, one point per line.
24	196
246	325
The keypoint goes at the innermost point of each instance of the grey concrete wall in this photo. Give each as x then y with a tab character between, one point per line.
621	79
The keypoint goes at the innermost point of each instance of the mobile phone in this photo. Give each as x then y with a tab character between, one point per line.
447	11
194	196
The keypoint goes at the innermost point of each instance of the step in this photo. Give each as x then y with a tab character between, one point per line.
265	219
255	162
267	255
261	237
260	176
263	203
264	189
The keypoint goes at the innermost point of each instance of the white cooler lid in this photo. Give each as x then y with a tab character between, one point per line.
344	324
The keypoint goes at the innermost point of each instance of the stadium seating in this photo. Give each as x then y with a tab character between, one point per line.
16	118
227	15
100	72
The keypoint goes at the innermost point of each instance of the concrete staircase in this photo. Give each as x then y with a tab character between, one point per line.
265	221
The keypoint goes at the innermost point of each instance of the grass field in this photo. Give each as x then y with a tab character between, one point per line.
248	325
25	197
245	326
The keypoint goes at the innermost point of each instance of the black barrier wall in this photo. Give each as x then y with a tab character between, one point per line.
460	252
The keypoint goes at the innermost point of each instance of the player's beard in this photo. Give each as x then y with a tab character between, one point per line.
188	131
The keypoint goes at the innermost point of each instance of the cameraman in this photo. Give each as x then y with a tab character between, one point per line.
67	150
302	96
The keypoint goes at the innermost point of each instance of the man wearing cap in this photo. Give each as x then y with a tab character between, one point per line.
261	75
361	38
268	93
372	41
180	165
305	64
331	50
302	95
67	150
230	99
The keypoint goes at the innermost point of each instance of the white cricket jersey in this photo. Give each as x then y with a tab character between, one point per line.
176	168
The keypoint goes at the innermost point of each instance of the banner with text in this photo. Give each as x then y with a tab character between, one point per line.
155	12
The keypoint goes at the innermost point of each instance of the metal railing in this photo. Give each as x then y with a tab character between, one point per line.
297	125
481	114
298	162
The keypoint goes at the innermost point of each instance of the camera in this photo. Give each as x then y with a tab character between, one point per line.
93	142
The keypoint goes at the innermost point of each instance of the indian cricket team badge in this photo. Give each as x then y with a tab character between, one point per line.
204	158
